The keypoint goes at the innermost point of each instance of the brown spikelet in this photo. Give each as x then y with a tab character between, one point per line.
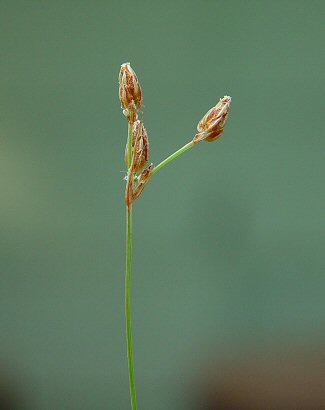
143	179
129	92
135	185
141	146
129	189
211	126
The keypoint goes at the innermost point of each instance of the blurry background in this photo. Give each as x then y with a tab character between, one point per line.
228	240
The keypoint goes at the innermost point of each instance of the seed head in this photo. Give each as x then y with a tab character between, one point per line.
140	147
129	188
130	92
212	124
143	179
135	185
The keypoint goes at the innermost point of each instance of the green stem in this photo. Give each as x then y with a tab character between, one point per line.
172	156
133	395
128	307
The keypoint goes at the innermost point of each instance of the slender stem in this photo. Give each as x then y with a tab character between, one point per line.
172	156
128	285
128	307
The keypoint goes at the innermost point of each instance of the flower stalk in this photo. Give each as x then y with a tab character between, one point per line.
209	128
172	156
133	394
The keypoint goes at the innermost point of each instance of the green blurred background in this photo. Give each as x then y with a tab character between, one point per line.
228	239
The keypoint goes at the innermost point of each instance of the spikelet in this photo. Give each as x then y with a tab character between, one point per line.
211	126
129	92
140	147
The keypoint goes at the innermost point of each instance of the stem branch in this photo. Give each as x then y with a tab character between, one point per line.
172	156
